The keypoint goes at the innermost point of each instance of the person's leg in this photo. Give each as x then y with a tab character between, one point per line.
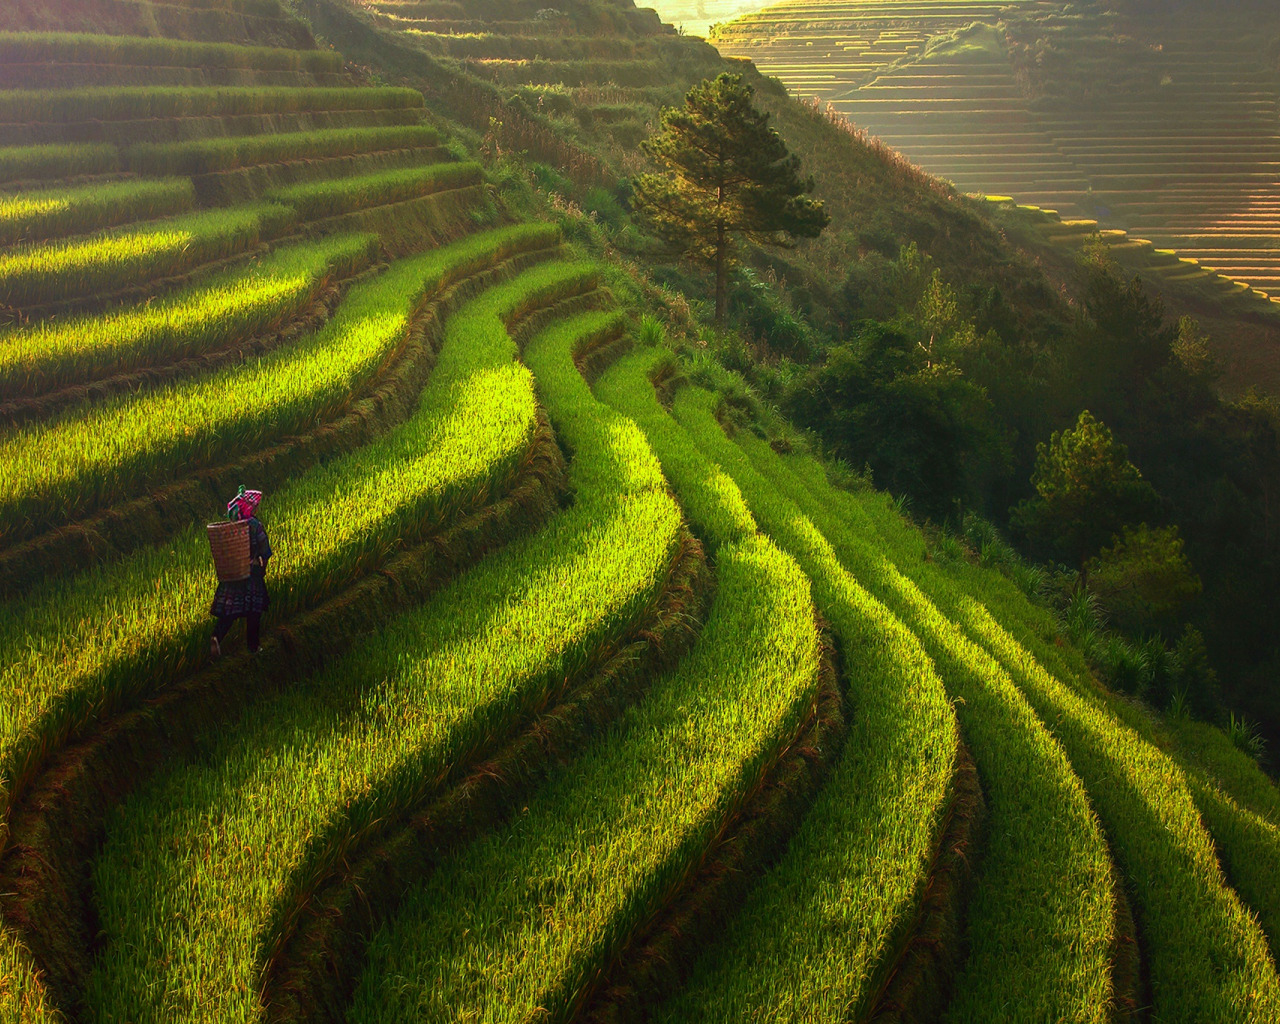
251	625
219	634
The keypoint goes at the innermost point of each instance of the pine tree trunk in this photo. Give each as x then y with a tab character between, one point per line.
722	276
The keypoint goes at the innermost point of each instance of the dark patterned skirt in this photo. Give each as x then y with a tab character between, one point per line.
243	597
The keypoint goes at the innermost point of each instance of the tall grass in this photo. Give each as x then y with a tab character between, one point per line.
53	471
141	102
1040	930
52	213
863	853
315	200
126	257
84	48
537	910
1207	957
206	156
22	998
37	163
74	649
231	307
385	729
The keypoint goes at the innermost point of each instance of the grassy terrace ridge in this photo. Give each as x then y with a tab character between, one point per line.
1248	846
48	162
90	458
900	712
125	103
713	503
38	216
207	156
370	736
602	847
1042	918
134	254
314	200
139	51
471	468
1207	958
453	450
233	306
1064	971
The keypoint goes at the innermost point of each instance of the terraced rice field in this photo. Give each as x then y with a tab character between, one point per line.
1186	152
574	702
608	70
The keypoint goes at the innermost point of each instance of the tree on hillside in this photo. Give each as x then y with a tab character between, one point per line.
1143	579
723	174
1087	492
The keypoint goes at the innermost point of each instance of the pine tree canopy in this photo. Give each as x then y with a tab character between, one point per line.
723	173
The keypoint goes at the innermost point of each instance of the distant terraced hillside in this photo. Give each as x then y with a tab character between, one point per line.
1162	121
576	700
696	17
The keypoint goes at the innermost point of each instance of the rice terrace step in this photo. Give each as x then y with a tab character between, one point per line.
590	688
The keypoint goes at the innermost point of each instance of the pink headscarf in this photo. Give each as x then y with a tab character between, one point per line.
244	504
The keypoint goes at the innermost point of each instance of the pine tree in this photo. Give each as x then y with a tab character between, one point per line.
723	174
1087	491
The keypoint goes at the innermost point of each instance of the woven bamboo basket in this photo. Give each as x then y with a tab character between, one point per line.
229	543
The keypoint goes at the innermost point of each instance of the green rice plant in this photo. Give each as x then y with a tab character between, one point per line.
1248	845
712	502
1208	958
94	456
884	798
1211	750
37	216
53	106
651	332
621	831
206	156
125	257
137	51
319	199
231	307
22	998
74	649
1246	737
538	909
765	964
20	163
385	729
1040	928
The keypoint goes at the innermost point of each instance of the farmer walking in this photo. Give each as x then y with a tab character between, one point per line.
246	598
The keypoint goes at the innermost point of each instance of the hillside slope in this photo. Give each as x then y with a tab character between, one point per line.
581	695
1158	119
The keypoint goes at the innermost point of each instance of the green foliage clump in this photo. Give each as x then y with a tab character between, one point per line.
1087	491
1144	579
